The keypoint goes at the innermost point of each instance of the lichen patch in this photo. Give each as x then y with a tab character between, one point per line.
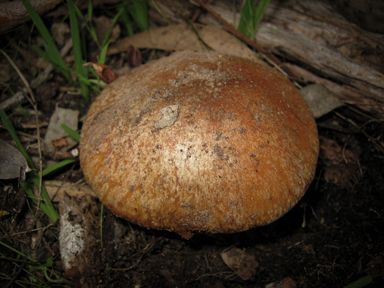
170	114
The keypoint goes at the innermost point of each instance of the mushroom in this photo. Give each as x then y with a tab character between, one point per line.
200	141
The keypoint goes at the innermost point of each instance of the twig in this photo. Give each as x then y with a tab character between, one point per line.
197	13
13	101
58	155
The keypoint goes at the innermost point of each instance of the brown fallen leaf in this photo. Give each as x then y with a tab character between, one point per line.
184	37
12	163
60	116
221	41
103	71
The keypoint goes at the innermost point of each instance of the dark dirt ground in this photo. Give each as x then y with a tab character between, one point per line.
333	236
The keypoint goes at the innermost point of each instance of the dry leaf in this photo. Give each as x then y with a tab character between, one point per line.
169	38
183	37
319	99
221	41
103	71
12	162
68	117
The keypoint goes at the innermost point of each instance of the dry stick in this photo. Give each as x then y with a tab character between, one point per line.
197	13
267	56
33	103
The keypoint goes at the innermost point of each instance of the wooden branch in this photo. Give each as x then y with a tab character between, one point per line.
336	52
240	35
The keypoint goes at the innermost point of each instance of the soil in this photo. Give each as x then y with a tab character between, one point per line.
333	237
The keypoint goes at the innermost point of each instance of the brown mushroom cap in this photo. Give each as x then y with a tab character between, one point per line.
200	141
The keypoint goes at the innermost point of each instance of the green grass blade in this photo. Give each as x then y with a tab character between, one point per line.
126	19
91	83
43	54
103	53
91	29
23	111
90	10
362	282
80	70
31	266
45	205
259	13
141	9
16	251
71	132
114	20
15	138
88	23
246	17
95	89
250	17
54	51
139	12
52	60
56	166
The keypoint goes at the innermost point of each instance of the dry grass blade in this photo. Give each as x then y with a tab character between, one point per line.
33	103
36	177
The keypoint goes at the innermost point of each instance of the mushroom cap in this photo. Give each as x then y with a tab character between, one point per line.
200	141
